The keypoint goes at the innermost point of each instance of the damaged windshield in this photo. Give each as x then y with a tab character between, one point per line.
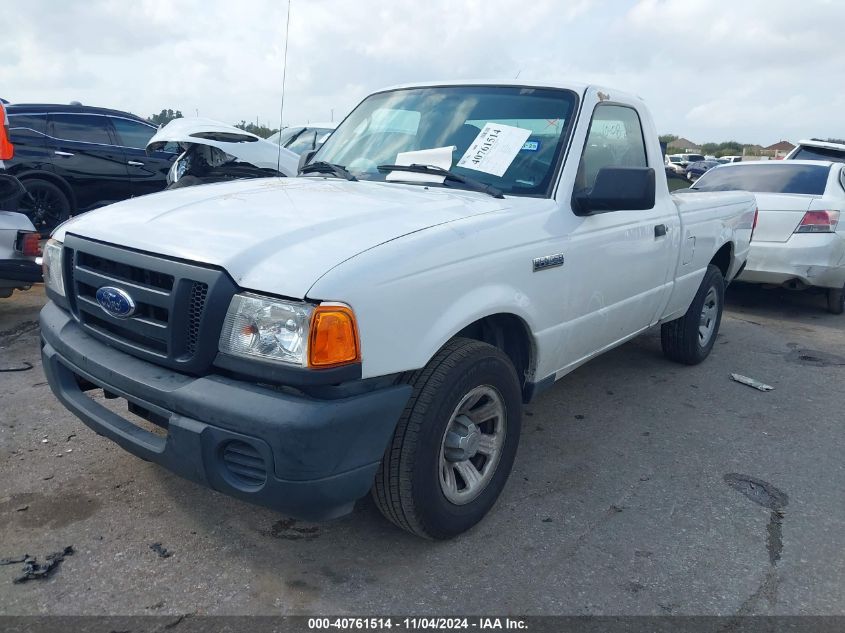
508	137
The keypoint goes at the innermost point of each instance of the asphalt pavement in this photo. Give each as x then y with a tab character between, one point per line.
640	487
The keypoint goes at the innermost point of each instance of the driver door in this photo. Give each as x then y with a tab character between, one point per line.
621	260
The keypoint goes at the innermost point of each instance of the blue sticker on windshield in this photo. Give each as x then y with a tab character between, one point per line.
531	146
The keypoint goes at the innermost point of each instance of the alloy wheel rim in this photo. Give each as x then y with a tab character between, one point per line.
44	208
709	313
472	444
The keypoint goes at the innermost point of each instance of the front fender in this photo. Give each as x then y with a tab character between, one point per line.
412	295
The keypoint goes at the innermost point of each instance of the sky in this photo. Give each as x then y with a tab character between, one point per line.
756	71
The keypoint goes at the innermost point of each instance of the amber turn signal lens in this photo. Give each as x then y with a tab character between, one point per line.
334	337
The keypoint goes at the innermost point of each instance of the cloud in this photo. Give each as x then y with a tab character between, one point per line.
754	70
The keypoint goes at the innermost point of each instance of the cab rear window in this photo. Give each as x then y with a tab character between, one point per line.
782	177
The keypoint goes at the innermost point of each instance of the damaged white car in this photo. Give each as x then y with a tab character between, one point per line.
213	151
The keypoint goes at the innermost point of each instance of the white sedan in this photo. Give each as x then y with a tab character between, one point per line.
799	241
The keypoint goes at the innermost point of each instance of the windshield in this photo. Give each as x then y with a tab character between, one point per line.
694	158
311	138
525	131
778	178
286	134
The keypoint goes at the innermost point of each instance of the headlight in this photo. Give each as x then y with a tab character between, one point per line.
178	168
266	328
290	332
52	267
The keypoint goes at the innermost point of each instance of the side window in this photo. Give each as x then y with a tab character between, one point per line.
615	139
34	122
132	133
87	128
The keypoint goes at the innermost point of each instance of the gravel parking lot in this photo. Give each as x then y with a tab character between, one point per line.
640	487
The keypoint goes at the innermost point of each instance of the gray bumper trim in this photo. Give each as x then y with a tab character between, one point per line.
321	455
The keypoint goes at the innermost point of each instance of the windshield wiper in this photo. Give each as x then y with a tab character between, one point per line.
322	167
469	183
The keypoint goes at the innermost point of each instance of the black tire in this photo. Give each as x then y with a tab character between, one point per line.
680	338
408	488
836	300
45	204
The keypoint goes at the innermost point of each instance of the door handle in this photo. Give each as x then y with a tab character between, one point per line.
60	153
135	163
659	230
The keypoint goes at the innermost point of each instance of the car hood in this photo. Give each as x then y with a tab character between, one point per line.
276	235
244	146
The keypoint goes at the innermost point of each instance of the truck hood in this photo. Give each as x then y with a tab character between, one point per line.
276	235
244	146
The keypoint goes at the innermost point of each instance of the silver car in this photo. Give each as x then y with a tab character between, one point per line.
799	240
19	241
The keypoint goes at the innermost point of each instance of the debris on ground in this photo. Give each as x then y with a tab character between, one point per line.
22	509
14	559
162	552
33	570
745	380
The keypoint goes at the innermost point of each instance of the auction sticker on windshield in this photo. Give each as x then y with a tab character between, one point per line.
494	149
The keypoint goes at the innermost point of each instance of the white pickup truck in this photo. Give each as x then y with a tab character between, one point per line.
376	323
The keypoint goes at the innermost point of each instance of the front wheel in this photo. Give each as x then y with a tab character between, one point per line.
690	338
455	443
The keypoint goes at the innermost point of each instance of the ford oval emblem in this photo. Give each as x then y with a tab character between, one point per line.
116	302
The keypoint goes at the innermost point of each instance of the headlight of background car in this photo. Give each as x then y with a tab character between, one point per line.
51	264
178	168
267	328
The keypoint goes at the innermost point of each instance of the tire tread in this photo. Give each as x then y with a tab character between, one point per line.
392	489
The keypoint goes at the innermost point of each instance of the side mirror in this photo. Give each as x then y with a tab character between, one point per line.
617	189
305	158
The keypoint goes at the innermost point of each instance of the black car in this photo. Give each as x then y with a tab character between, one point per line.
74	158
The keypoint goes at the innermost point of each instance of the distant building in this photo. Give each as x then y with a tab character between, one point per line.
779	149
683	145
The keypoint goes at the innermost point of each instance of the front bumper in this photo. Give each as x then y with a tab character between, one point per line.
22	271
814	259
305	457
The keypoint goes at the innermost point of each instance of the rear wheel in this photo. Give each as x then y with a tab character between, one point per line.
45	204
836	300
455	443
689	339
